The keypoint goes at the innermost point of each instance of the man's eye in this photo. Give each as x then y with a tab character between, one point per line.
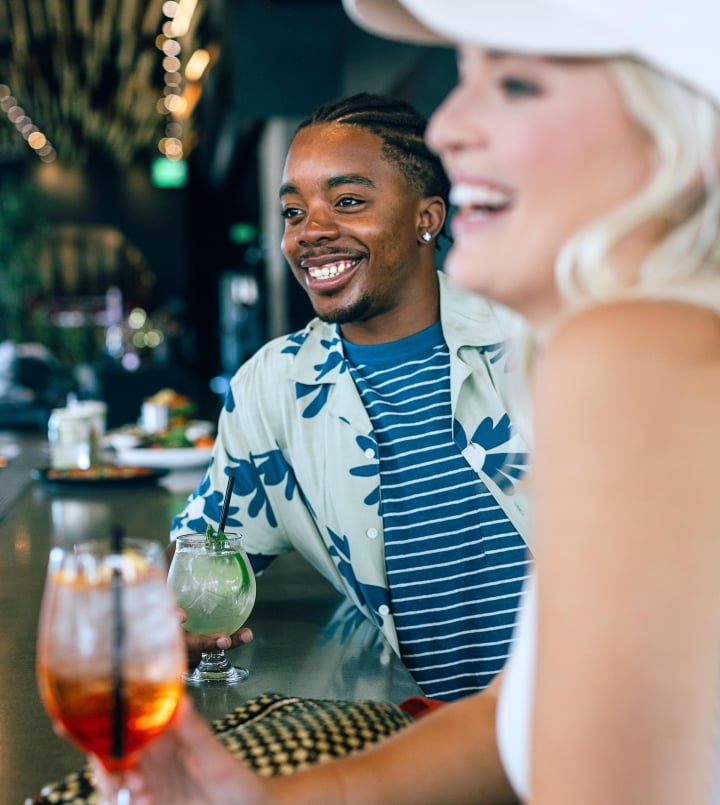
348	201
290	212
519	86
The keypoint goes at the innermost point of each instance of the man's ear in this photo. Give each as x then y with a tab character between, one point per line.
431	218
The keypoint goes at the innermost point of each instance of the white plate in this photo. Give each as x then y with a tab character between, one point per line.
172	458
120	441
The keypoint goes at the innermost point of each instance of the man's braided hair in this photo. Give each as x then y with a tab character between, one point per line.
401	128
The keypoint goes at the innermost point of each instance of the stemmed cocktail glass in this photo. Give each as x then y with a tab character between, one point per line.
110	652
211	579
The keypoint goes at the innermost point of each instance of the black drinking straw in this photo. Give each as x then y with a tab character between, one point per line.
226	504
118	649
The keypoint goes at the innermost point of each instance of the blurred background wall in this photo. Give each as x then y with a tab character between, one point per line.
139	221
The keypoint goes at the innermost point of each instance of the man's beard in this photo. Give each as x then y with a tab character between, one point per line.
358	311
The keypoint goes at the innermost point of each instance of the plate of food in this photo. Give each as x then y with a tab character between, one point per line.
183	446
169	458
100	475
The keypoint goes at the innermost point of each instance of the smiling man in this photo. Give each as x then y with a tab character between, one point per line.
376	441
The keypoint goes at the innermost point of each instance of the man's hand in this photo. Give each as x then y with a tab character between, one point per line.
195	644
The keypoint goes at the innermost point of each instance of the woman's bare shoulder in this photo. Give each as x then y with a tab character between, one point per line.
644	363
637	334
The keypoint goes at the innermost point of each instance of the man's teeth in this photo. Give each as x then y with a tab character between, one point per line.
478	196
329	269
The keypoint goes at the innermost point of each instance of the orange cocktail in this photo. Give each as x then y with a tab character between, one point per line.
110	651
83	708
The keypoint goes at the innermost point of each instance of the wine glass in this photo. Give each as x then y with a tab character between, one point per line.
211	579
110	652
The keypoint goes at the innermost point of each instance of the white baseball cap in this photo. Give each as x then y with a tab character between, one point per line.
680	37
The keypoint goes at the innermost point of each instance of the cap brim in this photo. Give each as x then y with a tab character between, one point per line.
668	38
526	26
390	20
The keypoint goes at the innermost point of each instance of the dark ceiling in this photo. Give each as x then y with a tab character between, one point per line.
89	75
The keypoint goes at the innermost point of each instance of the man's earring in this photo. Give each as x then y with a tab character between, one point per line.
426	236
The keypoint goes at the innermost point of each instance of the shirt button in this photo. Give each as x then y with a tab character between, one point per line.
369	453
372	533
383	609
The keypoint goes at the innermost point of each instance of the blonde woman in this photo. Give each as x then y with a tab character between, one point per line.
582	146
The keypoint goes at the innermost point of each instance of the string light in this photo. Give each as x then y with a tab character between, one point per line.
104	97
196	65
32	135
181	92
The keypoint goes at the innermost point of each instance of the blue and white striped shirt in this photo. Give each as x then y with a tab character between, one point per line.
447	541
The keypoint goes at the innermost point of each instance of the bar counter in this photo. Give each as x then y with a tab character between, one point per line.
308	640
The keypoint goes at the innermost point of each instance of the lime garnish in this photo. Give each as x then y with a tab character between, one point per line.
244	570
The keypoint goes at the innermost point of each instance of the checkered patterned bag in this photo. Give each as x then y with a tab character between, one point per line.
275	735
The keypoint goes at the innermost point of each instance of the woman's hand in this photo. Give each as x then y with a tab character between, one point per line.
188	764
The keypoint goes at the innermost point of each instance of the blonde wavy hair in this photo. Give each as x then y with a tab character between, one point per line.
682	199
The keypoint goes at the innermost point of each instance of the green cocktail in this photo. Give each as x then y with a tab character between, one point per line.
212	580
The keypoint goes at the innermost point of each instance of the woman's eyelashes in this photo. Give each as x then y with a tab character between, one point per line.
517	87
